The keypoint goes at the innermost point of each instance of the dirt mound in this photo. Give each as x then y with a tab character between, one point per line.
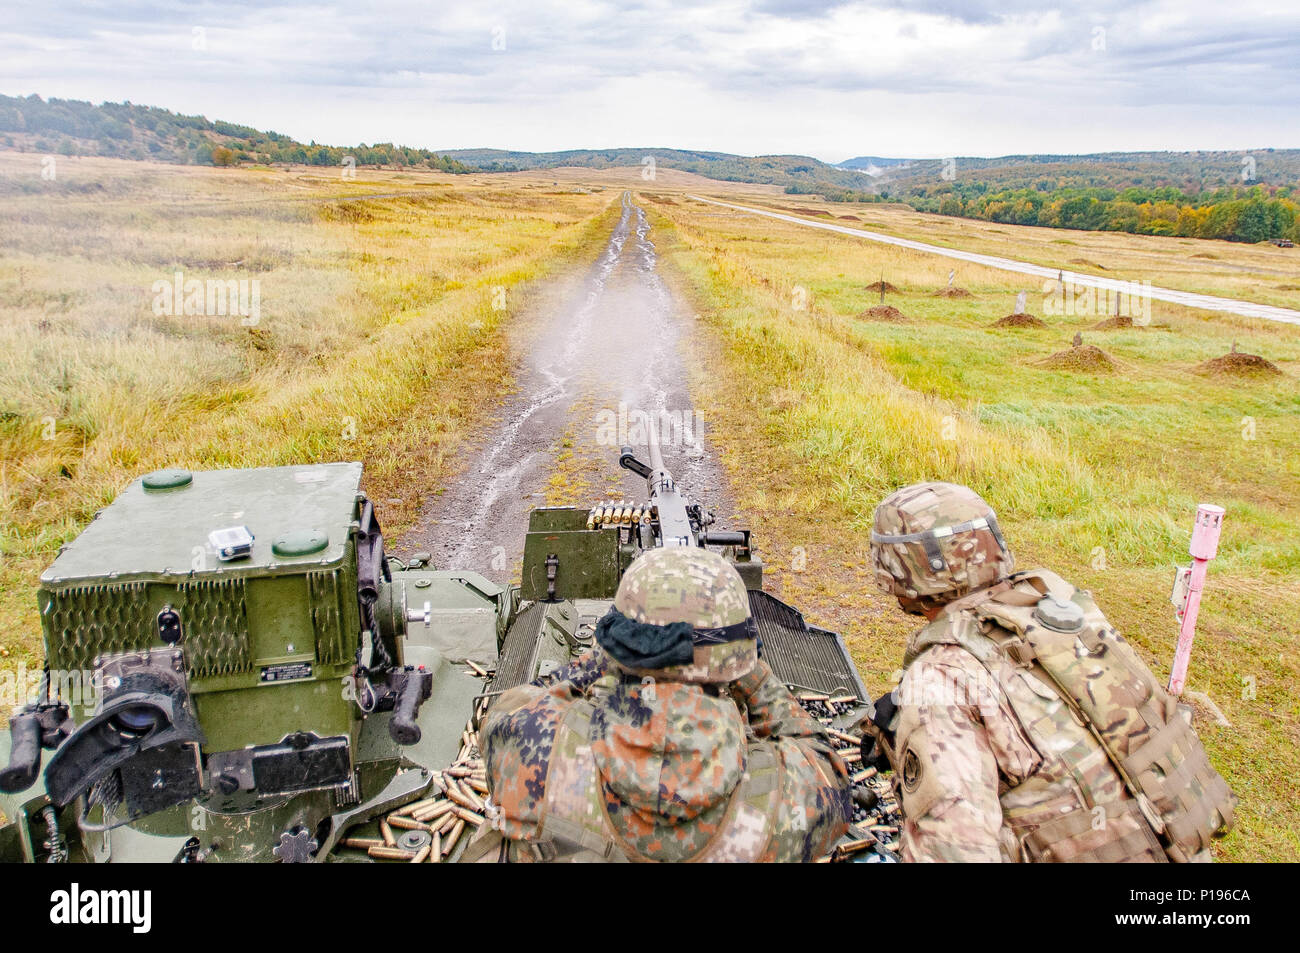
1084	357
1087	264
878	286
1238	364
1288	287
882	312
1019	320
1110	324
1206	255
849	218
952	292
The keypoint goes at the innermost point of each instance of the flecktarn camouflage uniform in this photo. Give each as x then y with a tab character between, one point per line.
709	758
1028	729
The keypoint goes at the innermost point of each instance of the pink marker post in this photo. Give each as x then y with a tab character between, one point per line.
1187	587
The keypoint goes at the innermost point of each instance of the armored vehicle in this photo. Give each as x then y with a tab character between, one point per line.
236	670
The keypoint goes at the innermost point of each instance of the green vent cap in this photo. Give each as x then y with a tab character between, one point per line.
167	479
301	542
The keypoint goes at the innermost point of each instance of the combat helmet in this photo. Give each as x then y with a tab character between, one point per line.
681	614
935	542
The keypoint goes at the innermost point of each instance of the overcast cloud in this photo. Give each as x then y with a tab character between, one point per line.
834	80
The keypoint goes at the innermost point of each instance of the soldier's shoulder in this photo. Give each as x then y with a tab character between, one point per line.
944	662
948	655
520	728
518	739
1056	584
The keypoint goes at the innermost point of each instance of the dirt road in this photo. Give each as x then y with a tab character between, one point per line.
1248	309
598	349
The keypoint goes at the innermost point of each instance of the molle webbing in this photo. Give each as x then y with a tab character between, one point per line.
1083	836
1174	772
1098	675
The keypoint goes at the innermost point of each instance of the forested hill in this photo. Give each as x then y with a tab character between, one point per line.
1249	195
802	173
128	131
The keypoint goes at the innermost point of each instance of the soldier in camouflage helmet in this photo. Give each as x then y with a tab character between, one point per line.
1026	729
671	741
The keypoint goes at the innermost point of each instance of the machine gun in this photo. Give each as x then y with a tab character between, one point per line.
670	520
581	554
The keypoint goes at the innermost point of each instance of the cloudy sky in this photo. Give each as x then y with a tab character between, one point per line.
833	80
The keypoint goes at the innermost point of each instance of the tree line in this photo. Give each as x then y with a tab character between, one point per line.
129	131
1251	213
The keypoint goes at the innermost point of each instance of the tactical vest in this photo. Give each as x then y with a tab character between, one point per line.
1069	670
575	825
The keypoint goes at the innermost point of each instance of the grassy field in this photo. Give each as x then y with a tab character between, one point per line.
1263	273
377	338
1096	474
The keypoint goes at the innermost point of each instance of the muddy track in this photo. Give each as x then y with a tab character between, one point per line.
598	348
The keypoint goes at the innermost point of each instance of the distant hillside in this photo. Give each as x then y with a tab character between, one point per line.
804	172
128	131
1189	172
873	165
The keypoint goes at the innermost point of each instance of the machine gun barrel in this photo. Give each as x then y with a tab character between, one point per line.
675	527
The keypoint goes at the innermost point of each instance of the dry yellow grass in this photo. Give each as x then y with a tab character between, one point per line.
378	339
1261	273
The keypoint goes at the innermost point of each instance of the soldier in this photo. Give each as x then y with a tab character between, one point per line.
1027	728
671	741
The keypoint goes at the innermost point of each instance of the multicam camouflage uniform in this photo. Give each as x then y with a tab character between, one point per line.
706	760
1011	698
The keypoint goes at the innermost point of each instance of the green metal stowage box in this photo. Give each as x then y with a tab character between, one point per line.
267	637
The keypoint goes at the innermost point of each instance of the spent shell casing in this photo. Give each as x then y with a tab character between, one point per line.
469	817
475	802
386	832
362	843
421	855
449	844
435	851
457	795
410	809
390	853
408	824
864	775
434	811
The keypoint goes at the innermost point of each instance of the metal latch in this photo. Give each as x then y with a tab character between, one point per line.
552	568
